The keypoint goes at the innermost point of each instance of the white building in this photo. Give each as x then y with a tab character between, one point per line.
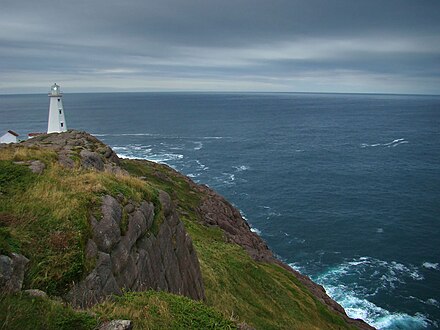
9	137
56	122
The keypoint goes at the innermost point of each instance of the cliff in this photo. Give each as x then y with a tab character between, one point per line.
90	226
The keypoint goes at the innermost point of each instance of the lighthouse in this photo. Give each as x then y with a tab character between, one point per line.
57	121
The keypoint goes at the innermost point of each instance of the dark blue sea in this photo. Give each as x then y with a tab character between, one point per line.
343	187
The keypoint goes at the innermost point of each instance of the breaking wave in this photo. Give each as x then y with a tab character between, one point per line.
344	284
393	144
431	265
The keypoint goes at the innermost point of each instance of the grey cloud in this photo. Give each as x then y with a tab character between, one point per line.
279	44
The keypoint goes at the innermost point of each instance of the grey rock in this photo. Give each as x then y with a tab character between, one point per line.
148	210
12	271
107	232
65	160
117	325
36	293
137	225
165	200
37	166
90	159
119	256
91	249
129	208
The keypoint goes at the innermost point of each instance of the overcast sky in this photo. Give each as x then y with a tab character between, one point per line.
368	46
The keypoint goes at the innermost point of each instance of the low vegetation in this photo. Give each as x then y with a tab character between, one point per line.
45	217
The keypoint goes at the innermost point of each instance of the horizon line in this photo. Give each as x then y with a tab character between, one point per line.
228	92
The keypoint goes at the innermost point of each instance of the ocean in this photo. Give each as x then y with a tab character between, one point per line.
343	187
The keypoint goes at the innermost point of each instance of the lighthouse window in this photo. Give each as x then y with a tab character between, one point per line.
62	124
58	100
60	111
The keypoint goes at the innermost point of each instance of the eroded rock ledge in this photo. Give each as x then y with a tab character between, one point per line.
128	256
138	260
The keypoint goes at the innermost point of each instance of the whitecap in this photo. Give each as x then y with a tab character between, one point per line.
401	142
256	231
376	316
393	143
198	146
296	266
379	230
125	134
353	295
215	137
123	156
431	265
241	168
202	166
433	302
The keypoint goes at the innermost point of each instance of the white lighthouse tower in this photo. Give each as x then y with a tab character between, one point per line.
56	122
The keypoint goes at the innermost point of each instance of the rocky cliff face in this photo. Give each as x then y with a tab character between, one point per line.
215	210
134	258
138	260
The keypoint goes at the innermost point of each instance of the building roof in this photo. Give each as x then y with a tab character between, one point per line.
13	133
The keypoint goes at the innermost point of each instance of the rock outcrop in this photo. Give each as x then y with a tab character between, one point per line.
73	145
138	259
12	270
128	254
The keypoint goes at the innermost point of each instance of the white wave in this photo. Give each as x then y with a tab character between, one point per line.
241	168
125	134
297	267
374	315
353	296
431	265
202	166
165	157
396	144
393	143
158	158
433	302
123	156
256	231
379	230
198	146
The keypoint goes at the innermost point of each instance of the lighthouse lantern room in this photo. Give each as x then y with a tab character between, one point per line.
57	121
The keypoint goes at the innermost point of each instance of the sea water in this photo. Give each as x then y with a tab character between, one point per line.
343	187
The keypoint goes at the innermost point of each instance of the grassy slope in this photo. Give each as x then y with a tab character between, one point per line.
45	217
262	295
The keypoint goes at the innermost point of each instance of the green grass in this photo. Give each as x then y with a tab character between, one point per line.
263	295
160	310
46	218
22	312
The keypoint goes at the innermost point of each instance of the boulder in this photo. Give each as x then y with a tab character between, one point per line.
117	325
90	159
12	269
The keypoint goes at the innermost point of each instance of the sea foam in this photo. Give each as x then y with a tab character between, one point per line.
354	296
